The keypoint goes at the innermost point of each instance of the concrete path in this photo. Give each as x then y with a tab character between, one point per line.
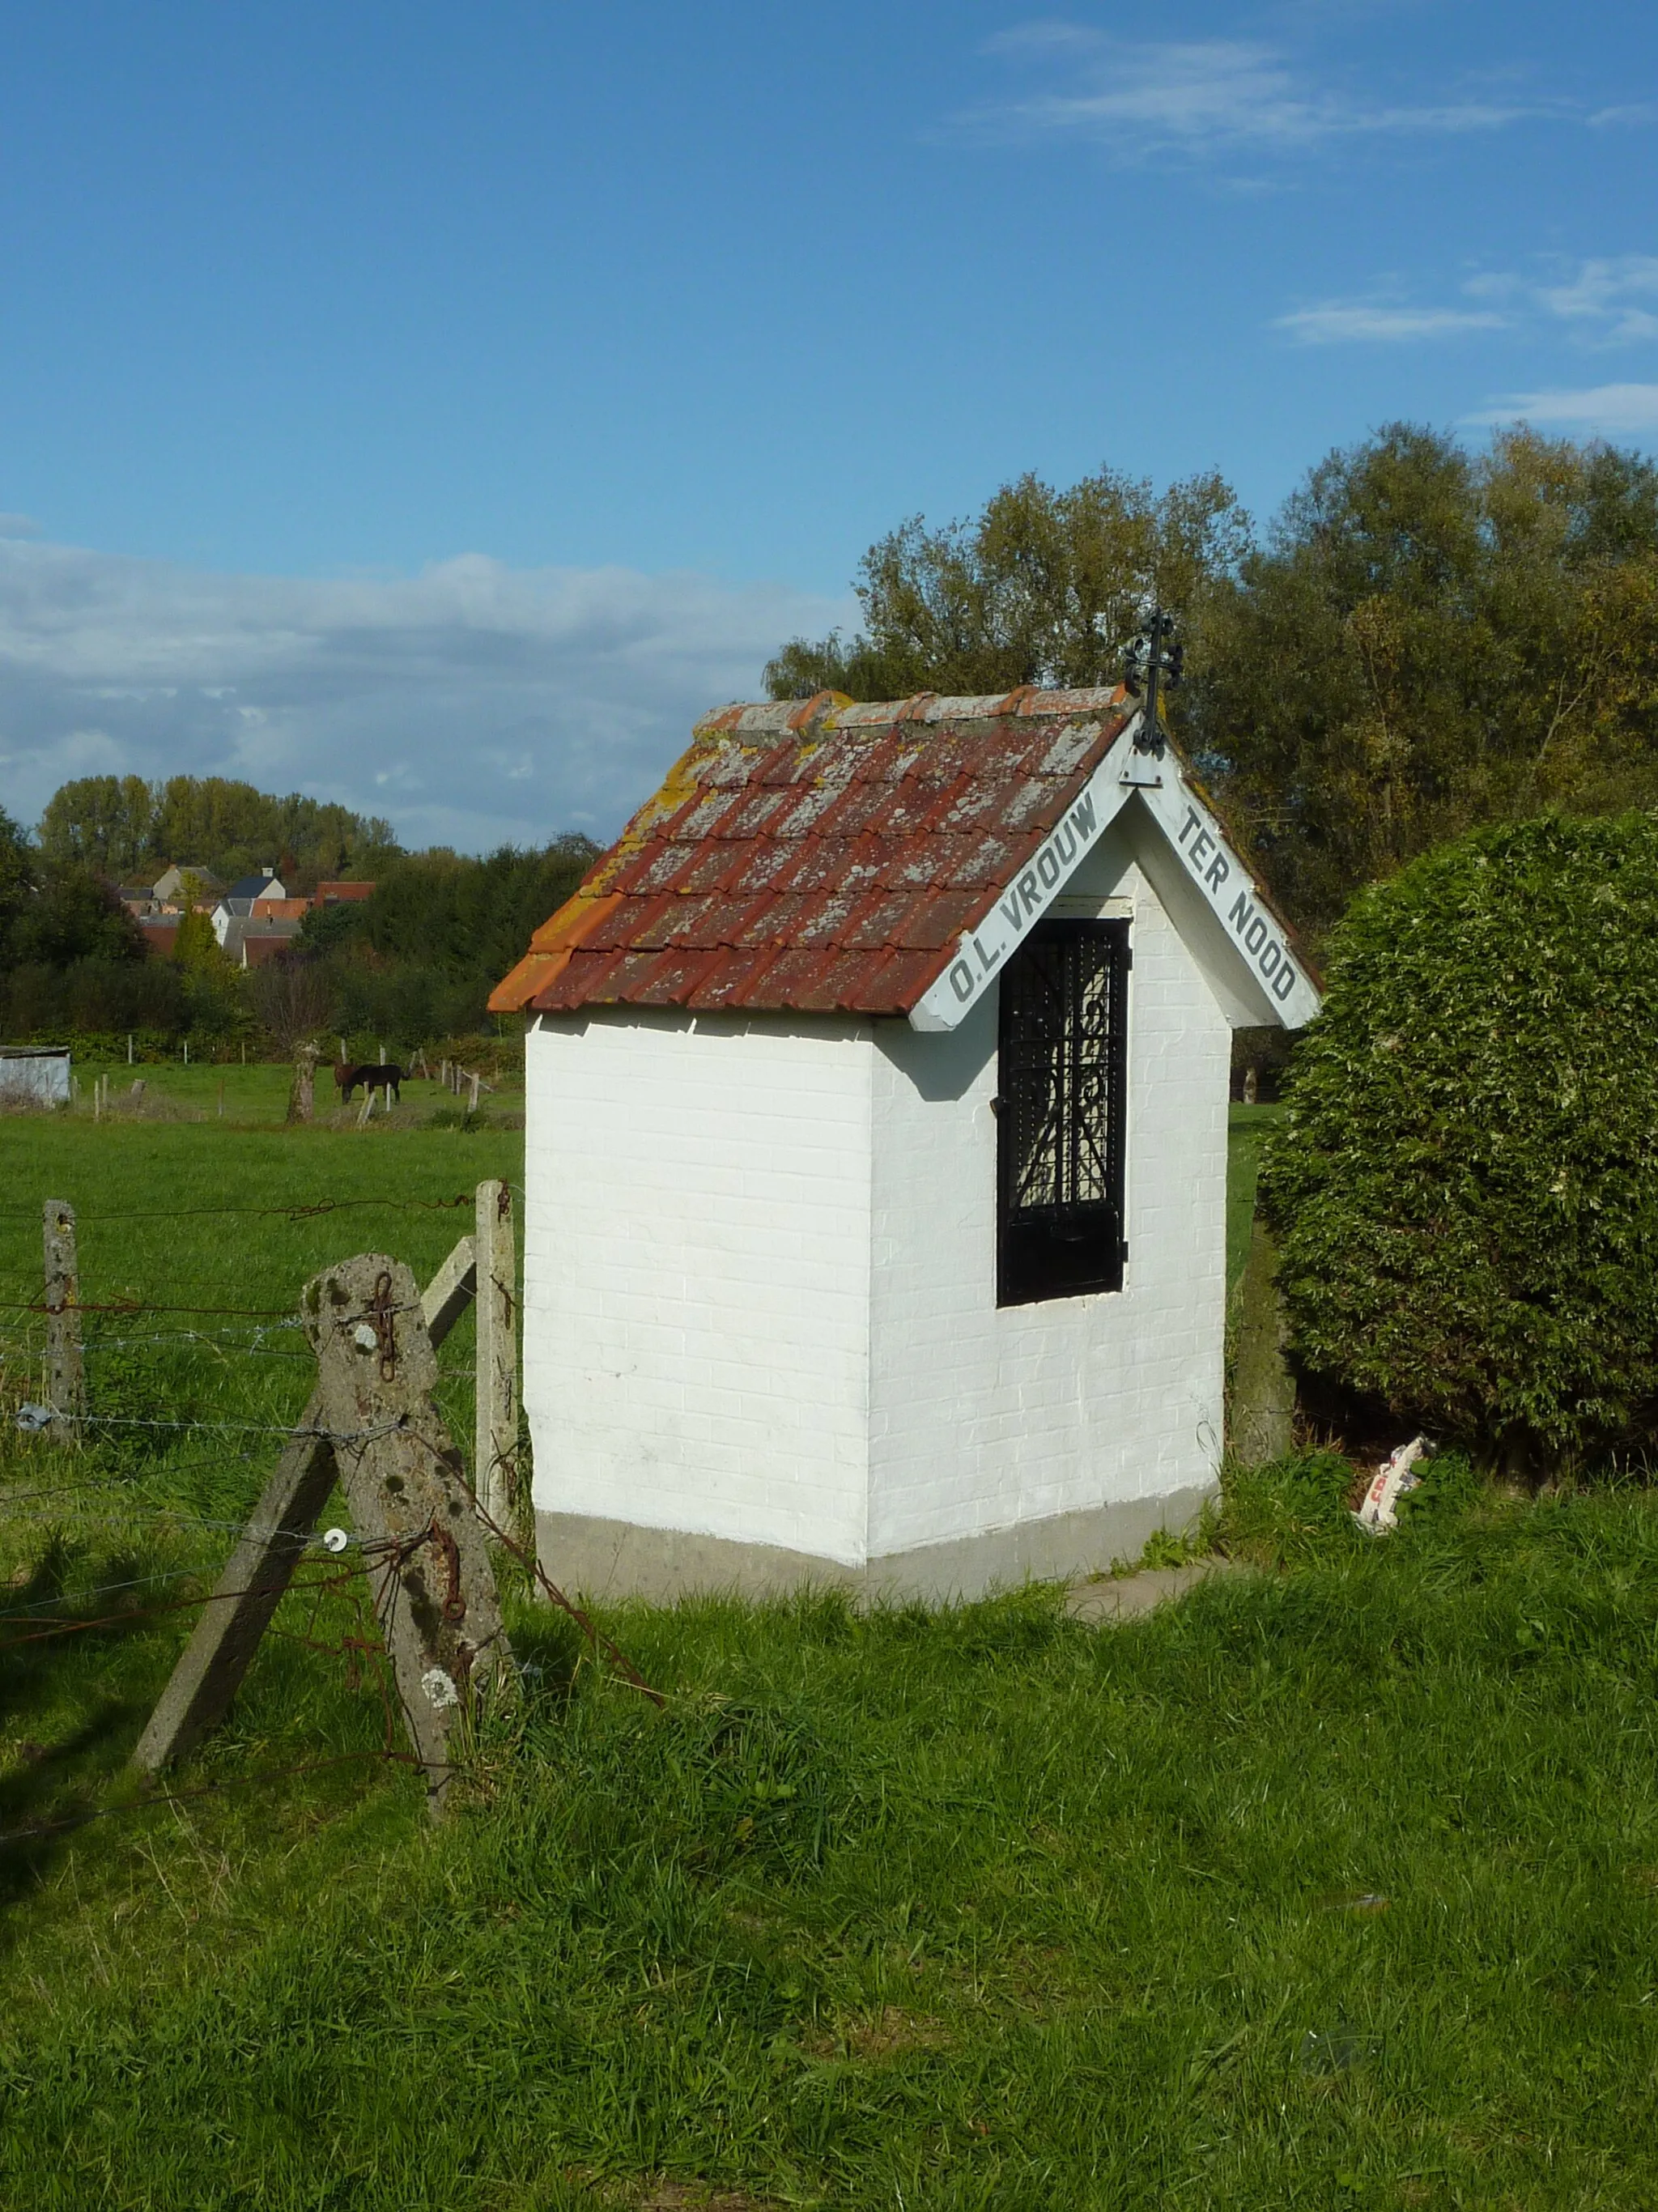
1126	1596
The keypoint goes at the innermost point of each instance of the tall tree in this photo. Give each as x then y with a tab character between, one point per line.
101	821
1044	587
123	828
16	872
73	914
1429	640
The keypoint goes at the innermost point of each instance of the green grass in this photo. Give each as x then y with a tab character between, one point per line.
1336	1885
1247	1130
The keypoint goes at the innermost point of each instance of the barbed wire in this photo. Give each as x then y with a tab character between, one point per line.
145	1305
372	1555
299	1211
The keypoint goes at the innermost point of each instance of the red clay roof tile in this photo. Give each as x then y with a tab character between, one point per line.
819	855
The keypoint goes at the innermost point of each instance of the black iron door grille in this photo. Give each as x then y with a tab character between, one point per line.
1061	1116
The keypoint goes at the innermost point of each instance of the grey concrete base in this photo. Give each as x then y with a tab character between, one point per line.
599	1558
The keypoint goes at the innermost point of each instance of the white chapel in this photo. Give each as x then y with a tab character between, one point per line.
876	1156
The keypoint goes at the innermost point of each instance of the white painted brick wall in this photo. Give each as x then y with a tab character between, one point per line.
760	1273
981	1418
696	1275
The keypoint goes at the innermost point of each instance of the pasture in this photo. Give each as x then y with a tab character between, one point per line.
1336	1884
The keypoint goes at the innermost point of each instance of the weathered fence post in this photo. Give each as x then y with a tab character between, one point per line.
495	1461
66	1378
248	1592
302	1093
433	1589
371	1424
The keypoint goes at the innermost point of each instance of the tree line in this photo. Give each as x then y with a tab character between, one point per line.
414	963
1423	638
127	831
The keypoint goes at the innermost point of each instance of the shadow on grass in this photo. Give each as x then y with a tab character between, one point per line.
52	1784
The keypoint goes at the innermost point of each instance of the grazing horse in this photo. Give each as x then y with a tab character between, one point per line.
385	1078
371	1078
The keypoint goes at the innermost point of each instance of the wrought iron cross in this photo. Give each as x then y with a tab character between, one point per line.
1156	658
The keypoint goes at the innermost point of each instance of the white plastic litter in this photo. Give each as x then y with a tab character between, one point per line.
1392	1480
335	1540
35	1417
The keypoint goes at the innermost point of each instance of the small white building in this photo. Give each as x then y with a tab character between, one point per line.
876	1155
31	1075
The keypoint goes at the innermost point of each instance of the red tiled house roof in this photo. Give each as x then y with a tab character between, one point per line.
819	855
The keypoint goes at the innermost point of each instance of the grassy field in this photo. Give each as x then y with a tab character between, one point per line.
1336	1885
255	1095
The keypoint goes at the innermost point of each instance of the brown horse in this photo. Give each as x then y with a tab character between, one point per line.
371	1078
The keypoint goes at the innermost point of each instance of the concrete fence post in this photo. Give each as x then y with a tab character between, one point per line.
66	1377
302	1093
371	1426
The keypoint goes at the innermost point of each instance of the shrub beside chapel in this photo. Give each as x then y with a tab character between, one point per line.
1466	1187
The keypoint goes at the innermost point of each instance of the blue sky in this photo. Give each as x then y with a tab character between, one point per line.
438	408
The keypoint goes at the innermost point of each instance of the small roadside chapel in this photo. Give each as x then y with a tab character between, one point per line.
876	1155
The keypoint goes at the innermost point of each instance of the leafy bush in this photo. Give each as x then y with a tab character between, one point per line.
1466	1187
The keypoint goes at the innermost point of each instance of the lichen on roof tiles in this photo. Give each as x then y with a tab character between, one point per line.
816	854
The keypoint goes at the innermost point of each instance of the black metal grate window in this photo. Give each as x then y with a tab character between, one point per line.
1060	1118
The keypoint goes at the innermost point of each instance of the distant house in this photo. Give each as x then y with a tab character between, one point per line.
266	885
244	895
342	894
165	891
138	899
279	910
250	943
160	934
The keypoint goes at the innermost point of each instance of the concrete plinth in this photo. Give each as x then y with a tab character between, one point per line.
600	1559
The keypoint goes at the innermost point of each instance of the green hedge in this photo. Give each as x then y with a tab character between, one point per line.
1466	1187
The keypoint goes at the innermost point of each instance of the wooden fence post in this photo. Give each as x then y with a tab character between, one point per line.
257	1573
496	1458
66	1378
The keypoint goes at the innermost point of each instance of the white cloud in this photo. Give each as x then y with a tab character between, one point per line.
1613	410
1612	300
475	704
1339	323
1206	96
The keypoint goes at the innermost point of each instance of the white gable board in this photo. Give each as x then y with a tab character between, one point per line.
1228	890
1223	881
